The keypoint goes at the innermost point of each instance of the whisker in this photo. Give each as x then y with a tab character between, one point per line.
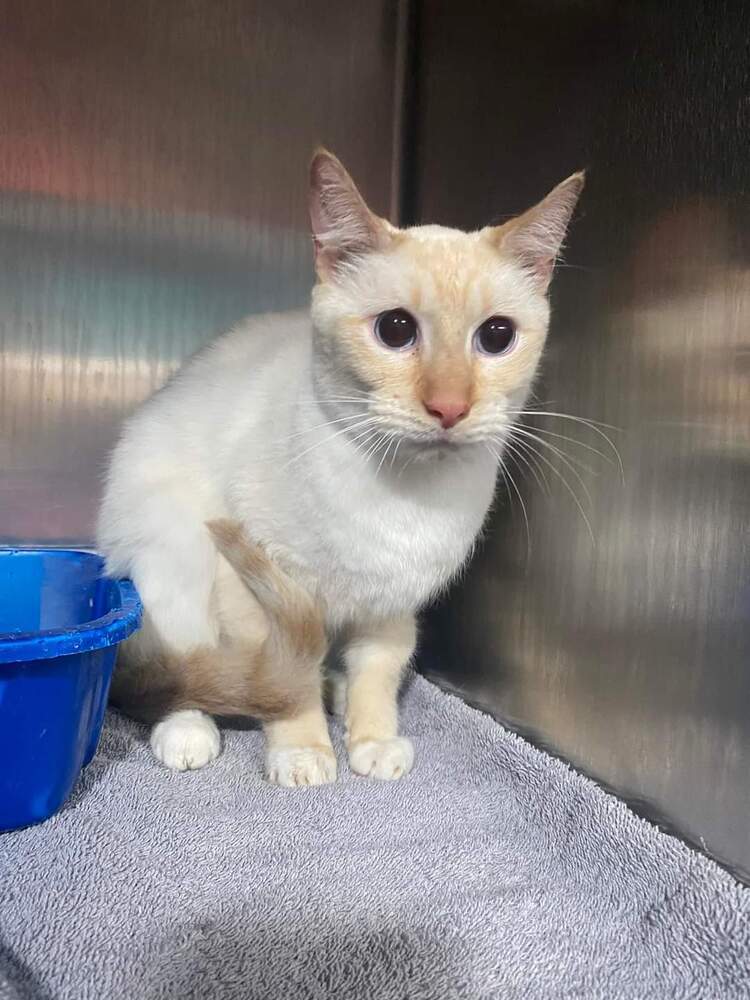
385	444
328	423
391	438
570	460
515	451
507	473
594	425
312	400
532	455
407	464
570	490
374	448
581	444
589	421
335	399
561	455
318	444
363	445
363	438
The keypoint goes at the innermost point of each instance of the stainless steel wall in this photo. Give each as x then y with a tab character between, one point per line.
626	652
152	191
153	163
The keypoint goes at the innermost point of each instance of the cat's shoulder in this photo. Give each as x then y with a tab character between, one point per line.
255	348
257	336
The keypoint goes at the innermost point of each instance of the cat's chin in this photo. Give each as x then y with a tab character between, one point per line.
417	450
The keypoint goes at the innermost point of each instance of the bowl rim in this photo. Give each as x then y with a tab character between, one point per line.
99	633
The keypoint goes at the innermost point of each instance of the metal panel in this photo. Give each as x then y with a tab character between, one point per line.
152	191
625	652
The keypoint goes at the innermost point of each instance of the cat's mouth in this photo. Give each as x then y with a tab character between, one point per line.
429	441
427	444
442	442
412	438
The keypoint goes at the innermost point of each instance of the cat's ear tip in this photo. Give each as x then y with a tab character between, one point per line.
568	192
322	158
576	180
327	170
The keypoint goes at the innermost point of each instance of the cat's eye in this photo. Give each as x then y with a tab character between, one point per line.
495	336
396	329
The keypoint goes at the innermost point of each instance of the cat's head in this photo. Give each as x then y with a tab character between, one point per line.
429	335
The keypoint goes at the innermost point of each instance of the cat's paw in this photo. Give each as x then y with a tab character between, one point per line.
185	741
384	759
296	766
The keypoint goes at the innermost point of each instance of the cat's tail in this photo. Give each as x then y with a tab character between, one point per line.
295	617
274	678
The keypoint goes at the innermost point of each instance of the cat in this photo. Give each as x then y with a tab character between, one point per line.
358	444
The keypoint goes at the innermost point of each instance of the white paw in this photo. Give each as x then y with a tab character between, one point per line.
385	759
293	766
186	740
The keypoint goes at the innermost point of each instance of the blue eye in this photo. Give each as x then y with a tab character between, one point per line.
396	329
495	336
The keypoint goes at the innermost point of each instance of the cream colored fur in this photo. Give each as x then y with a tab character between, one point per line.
315	437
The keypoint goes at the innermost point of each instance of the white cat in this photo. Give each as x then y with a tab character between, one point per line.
358	445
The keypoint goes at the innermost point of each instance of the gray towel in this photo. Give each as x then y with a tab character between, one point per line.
492	871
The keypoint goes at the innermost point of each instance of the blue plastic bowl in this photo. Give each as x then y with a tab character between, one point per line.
60	623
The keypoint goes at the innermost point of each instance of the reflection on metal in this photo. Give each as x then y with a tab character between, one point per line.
630	654
152	192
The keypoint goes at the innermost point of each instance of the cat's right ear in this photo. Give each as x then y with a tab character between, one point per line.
535	238
343	227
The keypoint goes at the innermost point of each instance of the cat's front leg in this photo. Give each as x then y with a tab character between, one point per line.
376	657
299	750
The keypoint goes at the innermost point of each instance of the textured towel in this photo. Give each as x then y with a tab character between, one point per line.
492	871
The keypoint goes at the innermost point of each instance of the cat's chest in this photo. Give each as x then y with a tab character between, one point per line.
384	556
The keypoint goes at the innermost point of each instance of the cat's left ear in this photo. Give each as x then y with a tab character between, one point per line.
343	227
536	237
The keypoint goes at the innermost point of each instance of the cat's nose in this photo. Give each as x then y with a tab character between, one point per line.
448	411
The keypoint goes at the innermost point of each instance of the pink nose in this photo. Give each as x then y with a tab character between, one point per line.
447	411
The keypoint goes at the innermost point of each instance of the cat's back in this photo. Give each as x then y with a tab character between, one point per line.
186	430
228	382
256	351
264	339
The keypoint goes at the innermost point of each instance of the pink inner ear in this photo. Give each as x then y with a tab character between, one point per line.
536	237
342	224
544	267
534	256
